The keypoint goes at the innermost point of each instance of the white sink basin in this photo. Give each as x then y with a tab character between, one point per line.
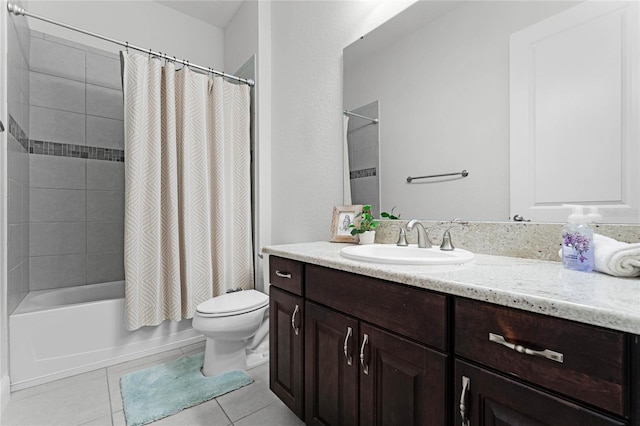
409	255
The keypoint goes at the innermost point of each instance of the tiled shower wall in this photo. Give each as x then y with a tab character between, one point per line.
76	169
18	161
364	153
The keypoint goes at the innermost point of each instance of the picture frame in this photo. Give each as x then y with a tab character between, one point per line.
343	216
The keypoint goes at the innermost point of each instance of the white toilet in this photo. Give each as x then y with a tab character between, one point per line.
236	326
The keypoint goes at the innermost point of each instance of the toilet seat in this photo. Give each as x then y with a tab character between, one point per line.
236	303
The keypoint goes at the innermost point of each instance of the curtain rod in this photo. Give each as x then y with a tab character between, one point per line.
16	10
373	120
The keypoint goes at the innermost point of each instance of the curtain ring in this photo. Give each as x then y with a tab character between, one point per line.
149	53
127	47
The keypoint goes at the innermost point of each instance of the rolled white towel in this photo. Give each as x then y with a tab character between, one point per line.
615	257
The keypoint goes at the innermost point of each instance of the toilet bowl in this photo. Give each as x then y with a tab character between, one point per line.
236	327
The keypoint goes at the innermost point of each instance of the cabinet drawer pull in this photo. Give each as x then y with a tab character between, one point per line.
466	385
283	274
293	320
346	346
547	353
365	367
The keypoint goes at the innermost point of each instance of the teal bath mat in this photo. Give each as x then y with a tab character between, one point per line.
151	394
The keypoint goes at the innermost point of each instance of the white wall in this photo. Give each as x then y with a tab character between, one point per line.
4	340
242	41
263	132
444	107
307	42
241	36
146	24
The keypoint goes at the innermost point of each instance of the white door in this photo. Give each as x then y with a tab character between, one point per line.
574	114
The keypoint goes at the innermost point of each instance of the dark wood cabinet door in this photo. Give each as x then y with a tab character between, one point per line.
401	382
331	367
286	347
493	400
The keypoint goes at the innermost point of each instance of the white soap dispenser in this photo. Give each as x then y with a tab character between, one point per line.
593	216
577	242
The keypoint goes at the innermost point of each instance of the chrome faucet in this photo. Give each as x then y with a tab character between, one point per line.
423	238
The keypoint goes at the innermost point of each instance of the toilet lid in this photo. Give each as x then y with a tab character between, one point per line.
235	302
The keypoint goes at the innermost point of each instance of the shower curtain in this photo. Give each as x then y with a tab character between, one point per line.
187	189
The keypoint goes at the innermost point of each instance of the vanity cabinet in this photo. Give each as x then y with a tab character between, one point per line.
332	367
367	356
286	333
347	349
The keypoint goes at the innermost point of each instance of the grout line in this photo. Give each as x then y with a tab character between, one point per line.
109	399
86	220
250	414
224	412
86	215
49	73
106	373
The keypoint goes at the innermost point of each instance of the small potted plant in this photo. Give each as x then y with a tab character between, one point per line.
390	216
365	226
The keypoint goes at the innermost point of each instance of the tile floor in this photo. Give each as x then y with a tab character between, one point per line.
94	399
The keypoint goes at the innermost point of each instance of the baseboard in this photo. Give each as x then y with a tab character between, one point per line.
5	393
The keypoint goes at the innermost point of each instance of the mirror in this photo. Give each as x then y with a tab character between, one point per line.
439	78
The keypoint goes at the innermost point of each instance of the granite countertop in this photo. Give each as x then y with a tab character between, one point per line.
532	285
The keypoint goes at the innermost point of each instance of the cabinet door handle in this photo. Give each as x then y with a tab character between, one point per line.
466	385
547	353
293	320
365	367
283	274
346	346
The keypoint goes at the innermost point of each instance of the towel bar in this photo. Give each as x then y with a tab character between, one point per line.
463	173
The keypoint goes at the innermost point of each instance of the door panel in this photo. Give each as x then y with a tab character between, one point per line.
331	367
401	382
574	99
494	400
286	347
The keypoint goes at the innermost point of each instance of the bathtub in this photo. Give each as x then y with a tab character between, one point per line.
63	332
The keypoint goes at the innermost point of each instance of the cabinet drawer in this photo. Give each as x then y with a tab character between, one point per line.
286	274
491	399
581	361
418	314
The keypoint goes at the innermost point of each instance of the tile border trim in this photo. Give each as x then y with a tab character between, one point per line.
63	149
356	174
75	151
16	131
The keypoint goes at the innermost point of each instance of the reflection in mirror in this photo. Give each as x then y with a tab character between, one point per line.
440	76
362	140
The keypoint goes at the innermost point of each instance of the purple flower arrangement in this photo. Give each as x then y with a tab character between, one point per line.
578	242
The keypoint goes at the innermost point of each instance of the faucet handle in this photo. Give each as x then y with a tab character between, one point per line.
447	245
402	238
